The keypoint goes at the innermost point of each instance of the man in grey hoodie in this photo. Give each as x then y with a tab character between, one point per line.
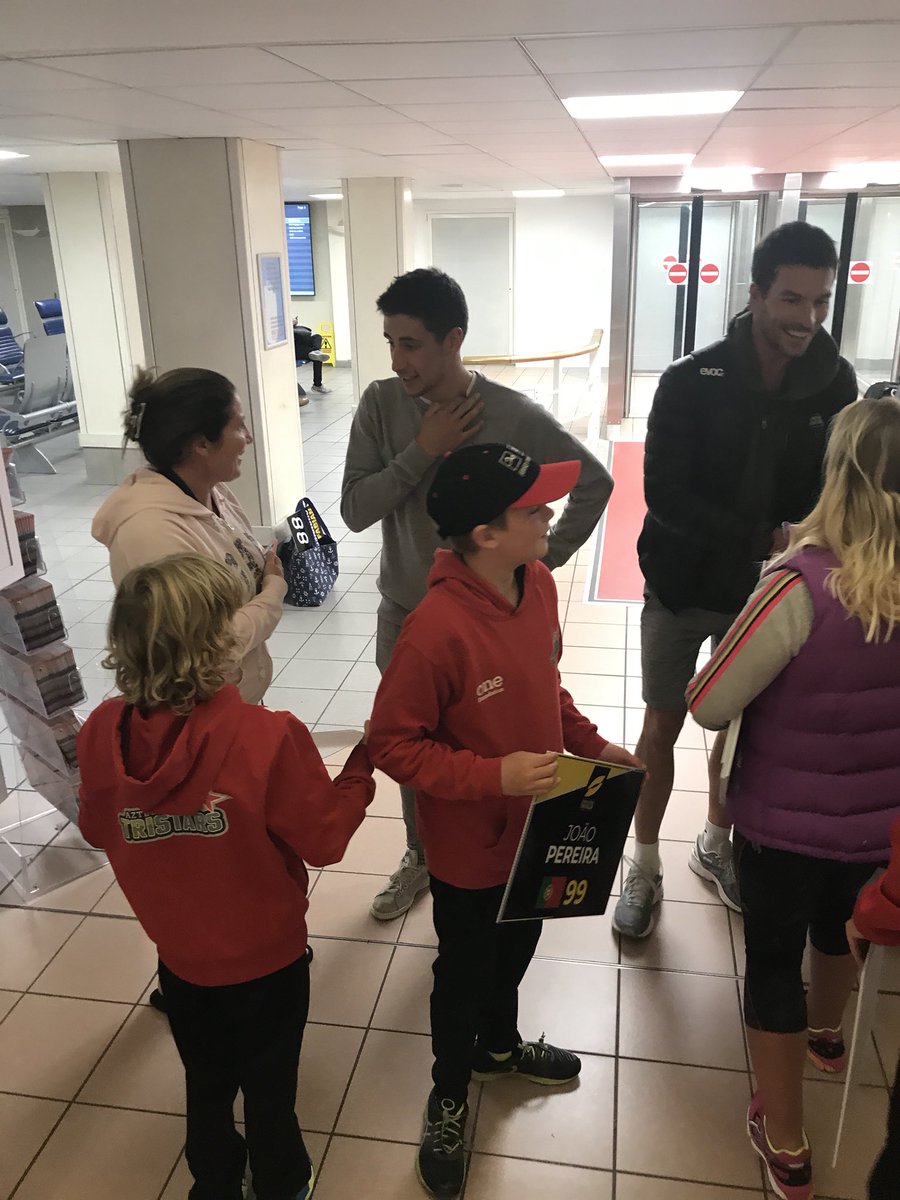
401	430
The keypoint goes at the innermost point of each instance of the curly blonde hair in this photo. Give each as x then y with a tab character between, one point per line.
169	636
857	517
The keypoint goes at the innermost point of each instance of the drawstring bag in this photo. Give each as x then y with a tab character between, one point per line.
310	558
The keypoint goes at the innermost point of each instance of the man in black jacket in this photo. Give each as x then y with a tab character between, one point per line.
735	444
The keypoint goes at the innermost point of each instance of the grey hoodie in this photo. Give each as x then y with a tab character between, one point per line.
387	474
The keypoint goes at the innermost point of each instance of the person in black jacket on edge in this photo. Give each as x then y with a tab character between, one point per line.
735	444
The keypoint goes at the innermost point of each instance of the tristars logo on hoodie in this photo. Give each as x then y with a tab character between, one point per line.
210	821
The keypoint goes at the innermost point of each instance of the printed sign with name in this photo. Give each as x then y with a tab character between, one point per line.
572	843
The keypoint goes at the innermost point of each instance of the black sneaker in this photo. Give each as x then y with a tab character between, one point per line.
537	1061
441	1162
157	1000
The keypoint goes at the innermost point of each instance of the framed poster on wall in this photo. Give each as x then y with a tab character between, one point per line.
271	300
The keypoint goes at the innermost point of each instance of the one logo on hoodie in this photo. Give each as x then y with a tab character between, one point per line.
490	687
210	821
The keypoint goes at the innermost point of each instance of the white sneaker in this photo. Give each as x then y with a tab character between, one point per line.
410	878
321	389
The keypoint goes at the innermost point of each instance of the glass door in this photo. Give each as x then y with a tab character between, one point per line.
872	308
691	275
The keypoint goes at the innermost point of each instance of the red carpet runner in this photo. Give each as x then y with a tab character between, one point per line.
616	574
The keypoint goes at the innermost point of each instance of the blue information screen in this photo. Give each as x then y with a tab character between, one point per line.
299	250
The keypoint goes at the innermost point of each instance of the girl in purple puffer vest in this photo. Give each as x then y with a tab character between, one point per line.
812	666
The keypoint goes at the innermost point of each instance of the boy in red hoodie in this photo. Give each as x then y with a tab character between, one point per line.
207	808
876	918
472	714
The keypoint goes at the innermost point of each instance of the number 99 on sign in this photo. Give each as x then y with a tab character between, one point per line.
576	890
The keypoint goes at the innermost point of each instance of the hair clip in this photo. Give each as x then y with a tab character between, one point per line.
139	420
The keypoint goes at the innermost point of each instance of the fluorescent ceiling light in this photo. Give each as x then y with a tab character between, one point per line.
645	160
326	196
539	194
657	104
860	175
12	154
719	179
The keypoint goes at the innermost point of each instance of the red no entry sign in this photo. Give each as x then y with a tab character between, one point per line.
709	273
668	261
677	273
859	272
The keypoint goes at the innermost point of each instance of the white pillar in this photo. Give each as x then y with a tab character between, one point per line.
378	228
201	212
95	276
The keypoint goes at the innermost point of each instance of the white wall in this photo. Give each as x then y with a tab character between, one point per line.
340	299
562	271
34	256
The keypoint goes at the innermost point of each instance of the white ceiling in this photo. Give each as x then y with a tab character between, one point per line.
361	89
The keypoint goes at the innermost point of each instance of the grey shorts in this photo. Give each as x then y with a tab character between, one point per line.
670	644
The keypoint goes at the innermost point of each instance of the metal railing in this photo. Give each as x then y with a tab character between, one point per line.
554	356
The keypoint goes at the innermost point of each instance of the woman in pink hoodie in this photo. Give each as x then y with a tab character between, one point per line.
190	427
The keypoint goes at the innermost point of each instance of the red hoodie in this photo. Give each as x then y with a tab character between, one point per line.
471	680
207	820
877	912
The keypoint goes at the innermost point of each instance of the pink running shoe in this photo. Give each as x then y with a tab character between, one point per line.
826	1050
790	1175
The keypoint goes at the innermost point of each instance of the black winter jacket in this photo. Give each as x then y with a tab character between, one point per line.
727	462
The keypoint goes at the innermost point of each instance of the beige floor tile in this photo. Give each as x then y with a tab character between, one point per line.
671	1017
594	689
598	614
418	924
862	1141
50	1044
376	848
339	907
7	1001
345	979
687	937
492	1178
105	959
181	1180
643	1187
581	939
691	773
610	721
355	1168
389	1088
113	903
606	635
88	870
404	1001
573	1124
575	1003
685	817
595	660
24	1125
105	1154
387	799
28	940
141	1069
667	1112
326	1063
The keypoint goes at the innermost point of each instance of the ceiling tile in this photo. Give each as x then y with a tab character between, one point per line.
464	130
761	118
655	51
821	97
808	75
877	42
67	129
238	97
629	83
26	77
452	91
417	60
329	118
169	68
477	112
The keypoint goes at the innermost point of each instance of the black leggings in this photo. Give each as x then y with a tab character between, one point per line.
785	898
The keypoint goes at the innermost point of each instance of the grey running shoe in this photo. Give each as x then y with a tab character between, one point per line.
718	869
441	1162
321	390
316	356
410	878
636	911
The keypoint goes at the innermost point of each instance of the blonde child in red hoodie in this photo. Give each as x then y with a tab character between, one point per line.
208	808
472	714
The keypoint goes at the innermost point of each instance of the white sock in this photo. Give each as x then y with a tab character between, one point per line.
715	838
646	856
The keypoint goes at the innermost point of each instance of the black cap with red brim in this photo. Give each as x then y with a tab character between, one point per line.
477	484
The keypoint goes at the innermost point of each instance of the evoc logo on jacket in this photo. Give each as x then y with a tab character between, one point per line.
717	371
490	687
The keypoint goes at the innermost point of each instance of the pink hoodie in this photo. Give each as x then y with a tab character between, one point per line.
148	517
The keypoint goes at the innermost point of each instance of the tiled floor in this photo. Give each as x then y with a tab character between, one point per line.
91	1095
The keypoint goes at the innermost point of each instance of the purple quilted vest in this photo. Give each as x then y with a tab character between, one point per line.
818	765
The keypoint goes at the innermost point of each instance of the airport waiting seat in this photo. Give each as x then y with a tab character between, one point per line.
11	355
50	312
44	405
